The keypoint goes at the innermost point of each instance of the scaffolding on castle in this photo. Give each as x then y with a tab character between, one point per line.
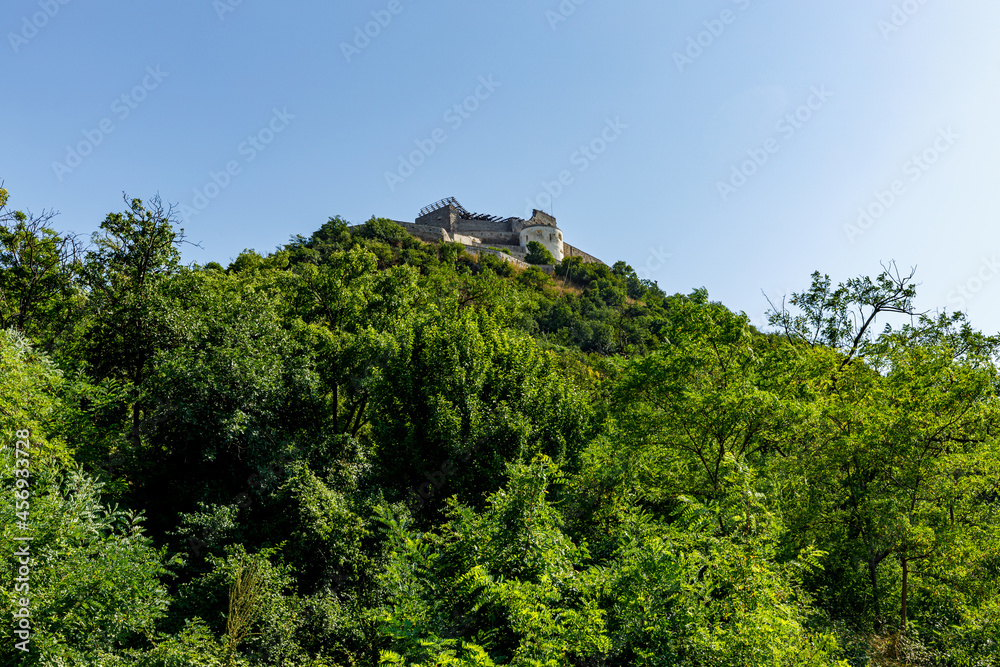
463	213
444	203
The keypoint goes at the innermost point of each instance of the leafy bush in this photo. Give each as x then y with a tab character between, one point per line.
539	254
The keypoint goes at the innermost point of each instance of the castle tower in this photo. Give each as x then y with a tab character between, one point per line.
543	229
444	214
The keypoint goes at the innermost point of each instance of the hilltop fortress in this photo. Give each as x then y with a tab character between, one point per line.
448	221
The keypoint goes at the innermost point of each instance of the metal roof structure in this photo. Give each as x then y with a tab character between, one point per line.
444	203
463	212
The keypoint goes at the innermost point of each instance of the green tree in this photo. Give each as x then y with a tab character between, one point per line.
504	586
539	254
904	457
684	408
383	229
128	319
39	294
462	399
333	236
94	579
248	599
351	309
844	318
222	403
710	588
130	254
894	470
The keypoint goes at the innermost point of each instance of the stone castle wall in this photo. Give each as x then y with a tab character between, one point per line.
570	251
465	239
474	226
446	218
510	259
514	250
493	238
425	232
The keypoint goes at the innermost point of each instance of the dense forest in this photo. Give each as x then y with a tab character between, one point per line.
362	449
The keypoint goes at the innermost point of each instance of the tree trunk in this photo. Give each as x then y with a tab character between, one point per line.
135	432
902	601
873	576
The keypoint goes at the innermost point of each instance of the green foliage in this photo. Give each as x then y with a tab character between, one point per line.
30	385
363	449
688	406
39	294
193	646
333	236
383	229
906	465
844	317
98	576
497	587
708	589
95	581
248	600
539	254
534	278
130	256
325	535
462	398
496	265
218	396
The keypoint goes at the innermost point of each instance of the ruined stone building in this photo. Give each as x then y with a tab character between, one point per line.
449	221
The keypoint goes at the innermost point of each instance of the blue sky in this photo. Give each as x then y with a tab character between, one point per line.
731	144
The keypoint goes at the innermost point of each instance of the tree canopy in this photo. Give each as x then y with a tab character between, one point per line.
363	449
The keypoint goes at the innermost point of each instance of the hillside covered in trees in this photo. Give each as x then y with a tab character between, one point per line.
361	449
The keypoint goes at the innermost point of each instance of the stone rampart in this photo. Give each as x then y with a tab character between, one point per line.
476	226
570	251
425	232
479	250
503	238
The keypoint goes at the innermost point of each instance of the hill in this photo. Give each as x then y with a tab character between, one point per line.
366	449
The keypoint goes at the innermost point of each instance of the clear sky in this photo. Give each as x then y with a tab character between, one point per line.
730	144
